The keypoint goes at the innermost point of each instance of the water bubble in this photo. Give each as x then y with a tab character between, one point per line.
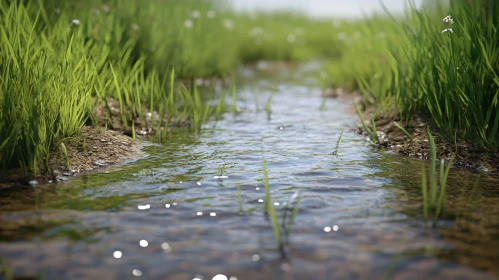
167	205
213	214
260	200
137	272
276	203
335	228
199	213
198	183
144	207
220	277
174	204
117	254
255	257
144	243
165	246
257	189
198	277
327	229
233	278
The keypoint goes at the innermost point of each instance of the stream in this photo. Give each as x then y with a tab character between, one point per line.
175	214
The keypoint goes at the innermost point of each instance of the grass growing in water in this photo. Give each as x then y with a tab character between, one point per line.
271	211
434	201
337	148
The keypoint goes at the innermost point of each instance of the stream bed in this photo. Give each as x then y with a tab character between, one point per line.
175	214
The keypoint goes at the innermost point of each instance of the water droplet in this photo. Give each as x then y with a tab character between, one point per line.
144	243
137	272
167	205
335	228
199	213
276	203
257	189
117	254
213	214
255	257
260	200
327	229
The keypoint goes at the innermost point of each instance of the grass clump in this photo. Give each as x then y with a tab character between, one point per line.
433	203
61	60
287	219
446	68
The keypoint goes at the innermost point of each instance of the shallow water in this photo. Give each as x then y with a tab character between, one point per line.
360	216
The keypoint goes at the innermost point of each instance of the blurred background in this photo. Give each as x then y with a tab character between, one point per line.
324	8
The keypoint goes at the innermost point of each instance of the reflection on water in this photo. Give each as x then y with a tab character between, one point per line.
169	217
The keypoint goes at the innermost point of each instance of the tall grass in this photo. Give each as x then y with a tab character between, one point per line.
410	64
60	59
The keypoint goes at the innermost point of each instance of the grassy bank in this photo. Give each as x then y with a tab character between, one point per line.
61	60
446	68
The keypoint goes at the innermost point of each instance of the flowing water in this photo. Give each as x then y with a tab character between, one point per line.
360	216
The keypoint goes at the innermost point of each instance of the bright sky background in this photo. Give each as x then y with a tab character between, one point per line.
324	8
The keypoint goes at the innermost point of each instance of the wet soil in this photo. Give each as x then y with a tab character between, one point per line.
465	153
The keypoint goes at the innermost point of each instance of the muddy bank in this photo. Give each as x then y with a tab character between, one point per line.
94	148
467	154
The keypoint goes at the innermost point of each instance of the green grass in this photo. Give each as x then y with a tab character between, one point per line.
60	59
406	64
271	211
434	196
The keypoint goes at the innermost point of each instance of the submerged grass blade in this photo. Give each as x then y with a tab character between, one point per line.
269	206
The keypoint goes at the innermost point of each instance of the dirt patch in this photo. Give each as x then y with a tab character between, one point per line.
94	148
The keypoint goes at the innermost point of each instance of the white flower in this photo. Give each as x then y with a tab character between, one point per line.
188	24
256	31
195	14
75	21
211	14
448	19
448	30
228	24
106	8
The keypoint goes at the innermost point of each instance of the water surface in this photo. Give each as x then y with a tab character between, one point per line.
360	216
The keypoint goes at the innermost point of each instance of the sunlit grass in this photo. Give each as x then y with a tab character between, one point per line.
434	196
420	63
271	211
